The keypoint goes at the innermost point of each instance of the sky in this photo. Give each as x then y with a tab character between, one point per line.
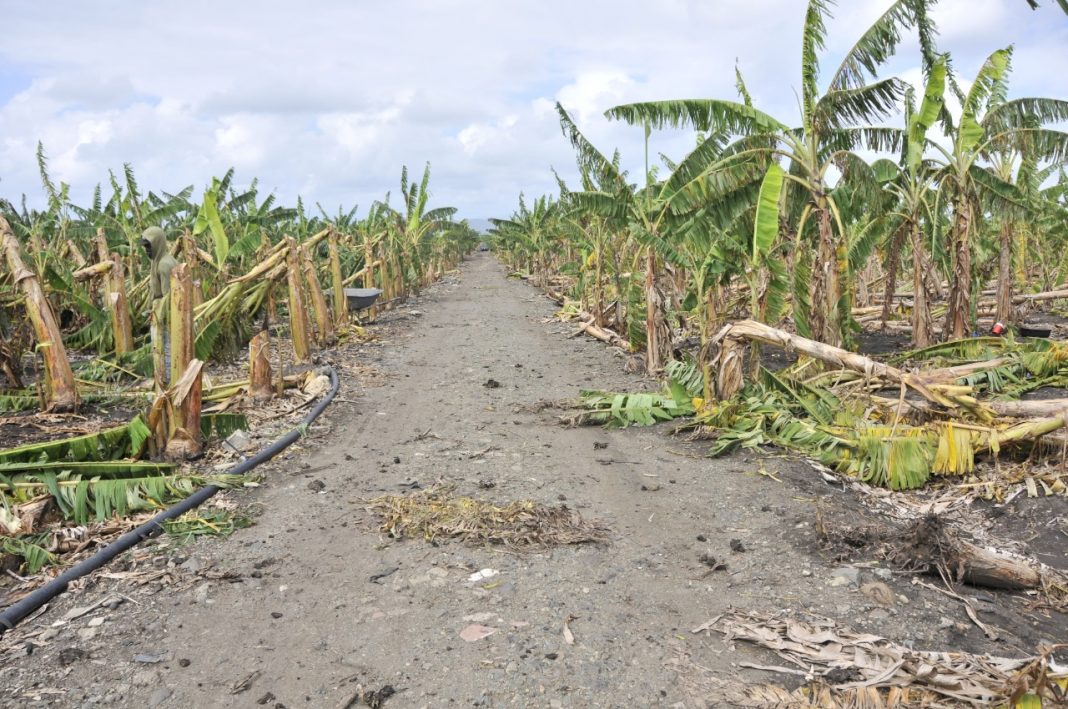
328	99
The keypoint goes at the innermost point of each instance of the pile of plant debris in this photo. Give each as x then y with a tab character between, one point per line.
438	513
60	499
67	495
844	668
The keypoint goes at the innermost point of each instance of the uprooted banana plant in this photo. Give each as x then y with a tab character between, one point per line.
881	424
872	421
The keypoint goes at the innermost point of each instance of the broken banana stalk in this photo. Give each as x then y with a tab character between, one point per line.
732	338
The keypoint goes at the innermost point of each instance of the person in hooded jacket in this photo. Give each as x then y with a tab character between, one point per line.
154	241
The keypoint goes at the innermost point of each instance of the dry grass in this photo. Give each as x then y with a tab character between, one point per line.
438	513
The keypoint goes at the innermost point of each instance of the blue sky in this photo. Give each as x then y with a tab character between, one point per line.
329	99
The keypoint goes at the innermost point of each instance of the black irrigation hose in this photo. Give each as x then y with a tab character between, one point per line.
14	613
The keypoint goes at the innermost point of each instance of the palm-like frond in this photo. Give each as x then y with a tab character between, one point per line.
743	90
883	140
712	156
986	81
875	46
602	204
864	104
591	161
441	214
84	499
813	39
1041	143
766	222
1006	194
703	114
930	108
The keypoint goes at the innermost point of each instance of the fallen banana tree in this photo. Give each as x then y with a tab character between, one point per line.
883	424
60	391
827	407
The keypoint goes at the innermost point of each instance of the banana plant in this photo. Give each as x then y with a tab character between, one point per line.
989	123
912	183
713	173
833	124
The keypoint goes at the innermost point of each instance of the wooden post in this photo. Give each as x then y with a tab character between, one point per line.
324	327
61	394
181	321
259	367
298	316
341	304
120	311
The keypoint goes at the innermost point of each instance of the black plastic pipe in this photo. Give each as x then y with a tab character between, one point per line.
13	614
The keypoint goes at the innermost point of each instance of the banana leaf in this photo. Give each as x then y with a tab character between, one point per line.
108	469
83	499
110	444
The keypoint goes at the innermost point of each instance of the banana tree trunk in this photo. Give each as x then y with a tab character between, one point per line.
121	325
298	316
271	305
341	304
893	258
621	315
61	394
825	295
731	338
100	243
395	279
1004	297
180	324
9	364
324	326
76	254
709	323
369	276
259	355
921	311
183	440
192	258
657	334
960	292
384	277
157	325
598	286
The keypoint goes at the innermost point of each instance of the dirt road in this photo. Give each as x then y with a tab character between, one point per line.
302	624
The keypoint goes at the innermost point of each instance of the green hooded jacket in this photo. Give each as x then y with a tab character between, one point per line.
155	243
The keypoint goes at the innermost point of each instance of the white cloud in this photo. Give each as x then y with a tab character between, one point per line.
329	100
593	92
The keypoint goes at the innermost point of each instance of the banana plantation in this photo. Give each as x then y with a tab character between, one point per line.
767	409
924	224
136	302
